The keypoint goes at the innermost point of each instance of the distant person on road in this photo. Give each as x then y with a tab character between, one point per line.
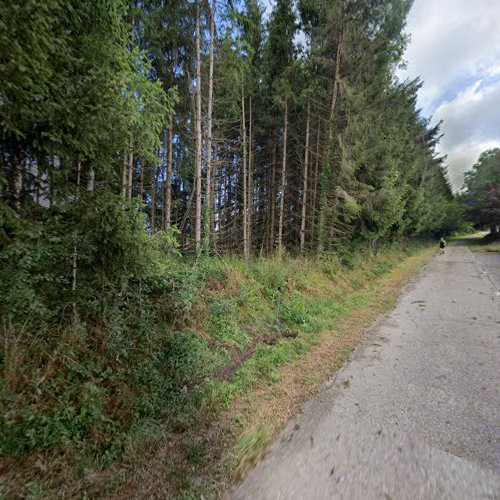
442	246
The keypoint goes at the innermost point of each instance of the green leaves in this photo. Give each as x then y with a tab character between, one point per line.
482	195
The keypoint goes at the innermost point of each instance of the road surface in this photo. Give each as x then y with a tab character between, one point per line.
416	413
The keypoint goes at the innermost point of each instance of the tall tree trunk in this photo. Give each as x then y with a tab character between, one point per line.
74	268
272	201
17	181
327	171
153	200
183	223
228	187
130	170
245	207
304	186
218	208
283	181
127	183
208	194
337	78
168	180
250	181
141	185
315	181
214	197
198	134
124	174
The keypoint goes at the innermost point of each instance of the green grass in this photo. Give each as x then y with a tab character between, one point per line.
476	243
128	392
251	448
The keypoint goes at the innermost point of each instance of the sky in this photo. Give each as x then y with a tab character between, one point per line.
455	49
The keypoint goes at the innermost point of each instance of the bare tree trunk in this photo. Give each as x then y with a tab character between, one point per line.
304	187
141	186
186	213
124	175
78	175
213	197
316	178
250	182
218	208
198	134
272	200
168	180
74	268
130	170
329	152
153	201
283	181
17	181
208	184
245	207
337	78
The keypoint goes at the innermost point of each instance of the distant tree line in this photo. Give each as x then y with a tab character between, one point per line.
482	192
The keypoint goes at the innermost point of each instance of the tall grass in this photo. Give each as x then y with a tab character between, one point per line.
167	357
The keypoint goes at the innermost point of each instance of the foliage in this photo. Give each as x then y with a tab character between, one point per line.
107	320
482	195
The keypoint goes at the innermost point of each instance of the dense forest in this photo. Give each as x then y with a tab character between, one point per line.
145	144
245	135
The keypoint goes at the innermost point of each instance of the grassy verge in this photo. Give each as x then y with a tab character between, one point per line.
271	385
256	340
477	243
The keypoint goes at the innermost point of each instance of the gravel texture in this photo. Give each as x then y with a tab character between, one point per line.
416	412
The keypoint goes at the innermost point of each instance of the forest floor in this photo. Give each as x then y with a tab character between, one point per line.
205	459
419	400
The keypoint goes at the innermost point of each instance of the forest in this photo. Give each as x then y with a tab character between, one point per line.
244	135
156	155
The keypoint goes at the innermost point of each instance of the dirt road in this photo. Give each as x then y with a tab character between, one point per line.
416	413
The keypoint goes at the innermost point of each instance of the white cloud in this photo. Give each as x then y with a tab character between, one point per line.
451	42
455	49
461	158
472	124
473	115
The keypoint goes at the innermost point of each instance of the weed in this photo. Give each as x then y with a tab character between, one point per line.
251	449
195	453
144	373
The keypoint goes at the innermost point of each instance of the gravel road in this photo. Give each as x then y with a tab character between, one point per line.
416	412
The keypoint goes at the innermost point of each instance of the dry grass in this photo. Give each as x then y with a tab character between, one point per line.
228	432
272	405
239	437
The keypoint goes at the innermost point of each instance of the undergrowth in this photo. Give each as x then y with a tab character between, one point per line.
79	398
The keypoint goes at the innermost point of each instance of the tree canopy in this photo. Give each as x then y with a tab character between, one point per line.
482	190
121	119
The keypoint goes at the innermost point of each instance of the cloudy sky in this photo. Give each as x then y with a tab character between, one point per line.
455	48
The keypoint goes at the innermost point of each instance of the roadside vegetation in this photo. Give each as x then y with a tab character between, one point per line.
481	197
189	200
482	242
83	405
